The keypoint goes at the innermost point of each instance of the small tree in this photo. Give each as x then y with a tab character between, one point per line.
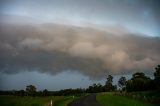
122	83
45	92
108	85
157	77
31	90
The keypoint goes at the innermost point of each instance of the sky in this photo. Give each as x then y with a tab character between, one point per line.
59	44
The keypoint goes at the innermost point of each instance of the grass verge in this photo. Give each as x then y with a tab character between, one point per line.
68	99
108	99
27	101
64	102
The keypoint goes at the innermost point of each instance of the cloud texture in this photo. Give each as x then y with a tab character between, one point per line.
53	48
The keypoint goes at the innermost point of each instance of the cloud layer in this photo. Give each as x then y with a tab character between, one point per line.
53	48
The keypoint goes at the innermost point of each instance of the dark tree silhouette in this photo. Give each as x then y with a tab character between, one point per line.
30	90
157	77
95	88
45	92
122	83
108	85
138	82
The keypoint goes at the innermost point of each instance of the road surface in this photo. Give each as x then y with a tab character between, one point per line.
89	100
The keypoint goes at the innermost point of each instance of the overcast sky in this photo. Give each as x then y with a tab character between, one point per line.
48	43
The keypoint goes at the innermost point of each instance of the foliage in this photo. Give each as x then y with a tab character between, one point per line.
45	92
109	99
95	88
63	102
138	82
30	90
122	83
108	85
70	92
157	77
147	96
27	101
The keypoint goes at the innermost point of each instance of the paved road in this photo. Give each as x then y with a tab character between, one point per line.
89	100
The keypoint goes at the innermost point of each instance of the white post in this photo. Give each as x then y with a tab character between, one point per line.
51	102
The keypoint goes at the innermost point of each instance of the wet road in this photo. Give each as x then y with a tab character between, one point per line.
89	100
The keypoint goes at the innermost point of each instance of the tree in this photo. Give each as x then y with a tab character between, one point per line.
122	83
100	87
31	90
95	88
21	93
45	92
157	77
138	82
108	85
129	86
139	75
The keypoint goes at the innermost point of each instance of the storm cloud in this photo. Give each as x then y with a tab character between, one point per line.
92	51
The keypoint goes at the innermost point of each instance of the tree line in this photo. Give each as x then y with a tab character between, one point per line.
138	82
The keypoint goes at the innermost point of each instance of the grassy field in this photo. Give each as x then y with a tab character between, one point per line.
63	102
27	101
108	99
66	100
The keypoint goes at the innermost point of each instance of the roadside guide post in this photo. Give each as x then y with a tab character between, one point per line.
51	102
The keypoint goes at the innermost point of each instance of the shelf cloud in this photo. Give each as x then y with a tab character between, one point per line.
92	51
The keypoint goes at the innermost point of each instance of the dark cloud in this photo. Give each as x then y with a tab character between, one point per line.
53	48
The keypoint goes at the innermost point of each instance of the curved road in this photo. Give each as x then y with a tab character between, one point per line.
89	100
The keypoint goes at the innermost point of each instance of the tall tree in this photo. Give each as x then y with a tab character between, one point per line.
108	85
122	83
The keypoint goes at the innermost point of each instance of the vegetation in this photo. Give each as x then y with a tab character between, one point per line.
27	101
65	92
138	82
157	77
133	88
122	83
109	99
63	102
146	96
95	88
109	86
30	90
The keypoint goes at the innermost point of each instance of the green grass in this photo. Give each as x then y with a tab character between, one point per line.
27	101
64	102
108	99
147	93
